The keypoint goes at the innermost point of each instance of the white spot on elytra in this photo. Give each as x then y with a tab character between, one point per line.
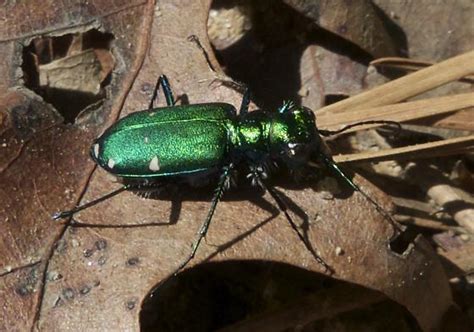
146	140
154	164
96	150
111	163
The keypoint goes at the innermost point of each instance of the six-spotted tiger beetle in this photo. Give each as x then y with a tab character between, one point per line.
179	143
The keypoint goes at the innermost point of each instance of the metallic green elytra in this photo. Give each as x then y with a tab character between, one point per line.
152	148
166	141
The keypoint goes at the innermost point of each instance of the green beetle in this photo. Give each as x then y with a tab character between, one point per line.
181	143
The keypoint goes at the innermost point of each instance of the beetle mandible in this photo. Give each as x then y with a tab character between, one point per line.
179	143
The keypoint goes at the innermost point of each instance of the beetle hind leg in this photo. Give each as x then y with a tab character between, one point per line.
133	187
165	85
70	213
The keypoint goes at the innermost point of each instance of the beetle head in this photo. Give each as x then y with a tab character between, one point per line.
294	135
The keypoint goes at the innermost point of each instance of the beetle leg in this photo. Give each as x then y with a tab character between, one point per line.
70	213
332	165
194	39
224	178
165	84
284	208
67	214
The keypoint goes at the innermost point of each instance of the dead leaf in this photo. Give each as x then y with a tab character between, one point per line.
59	277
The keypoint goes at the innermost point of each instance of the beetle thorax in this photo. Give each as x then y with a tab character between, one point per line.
252	133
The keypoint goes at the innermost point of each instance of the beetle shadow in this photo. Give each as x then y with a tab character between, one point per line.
178	193
182	99
302	229
256	196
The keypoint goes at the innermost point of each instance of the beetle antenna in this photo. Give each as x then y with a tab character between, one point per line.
382	122
330	162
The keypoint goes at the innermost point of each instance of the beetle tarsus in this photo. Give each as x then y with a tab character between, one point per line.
62	214
67	214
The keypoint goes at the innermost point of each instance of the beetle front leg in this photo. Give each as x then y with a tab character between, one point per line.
329	162
259	179
223	183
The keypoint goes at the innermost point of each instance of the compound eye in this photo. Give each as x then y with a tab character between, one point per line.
298	152
295	150
291	149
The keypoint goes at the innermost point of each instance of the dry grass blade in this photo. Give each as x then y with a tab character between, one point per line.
398	112
409	65
408	86
428	224
370	106
432	149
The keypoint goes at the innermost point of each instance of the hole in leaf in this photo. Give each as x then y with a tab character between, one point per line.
402	242
69	71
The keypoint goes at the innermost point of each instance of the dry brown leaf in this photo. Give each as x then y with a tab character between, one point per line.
433	32
58	277
408	86
400	112
362	25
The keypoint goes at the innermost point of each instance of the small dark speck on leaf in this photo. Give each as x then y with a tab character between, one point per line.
102	260
68	293
88	252
101	244
84	290
54	276
58	302
133	261
130	305
23	290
